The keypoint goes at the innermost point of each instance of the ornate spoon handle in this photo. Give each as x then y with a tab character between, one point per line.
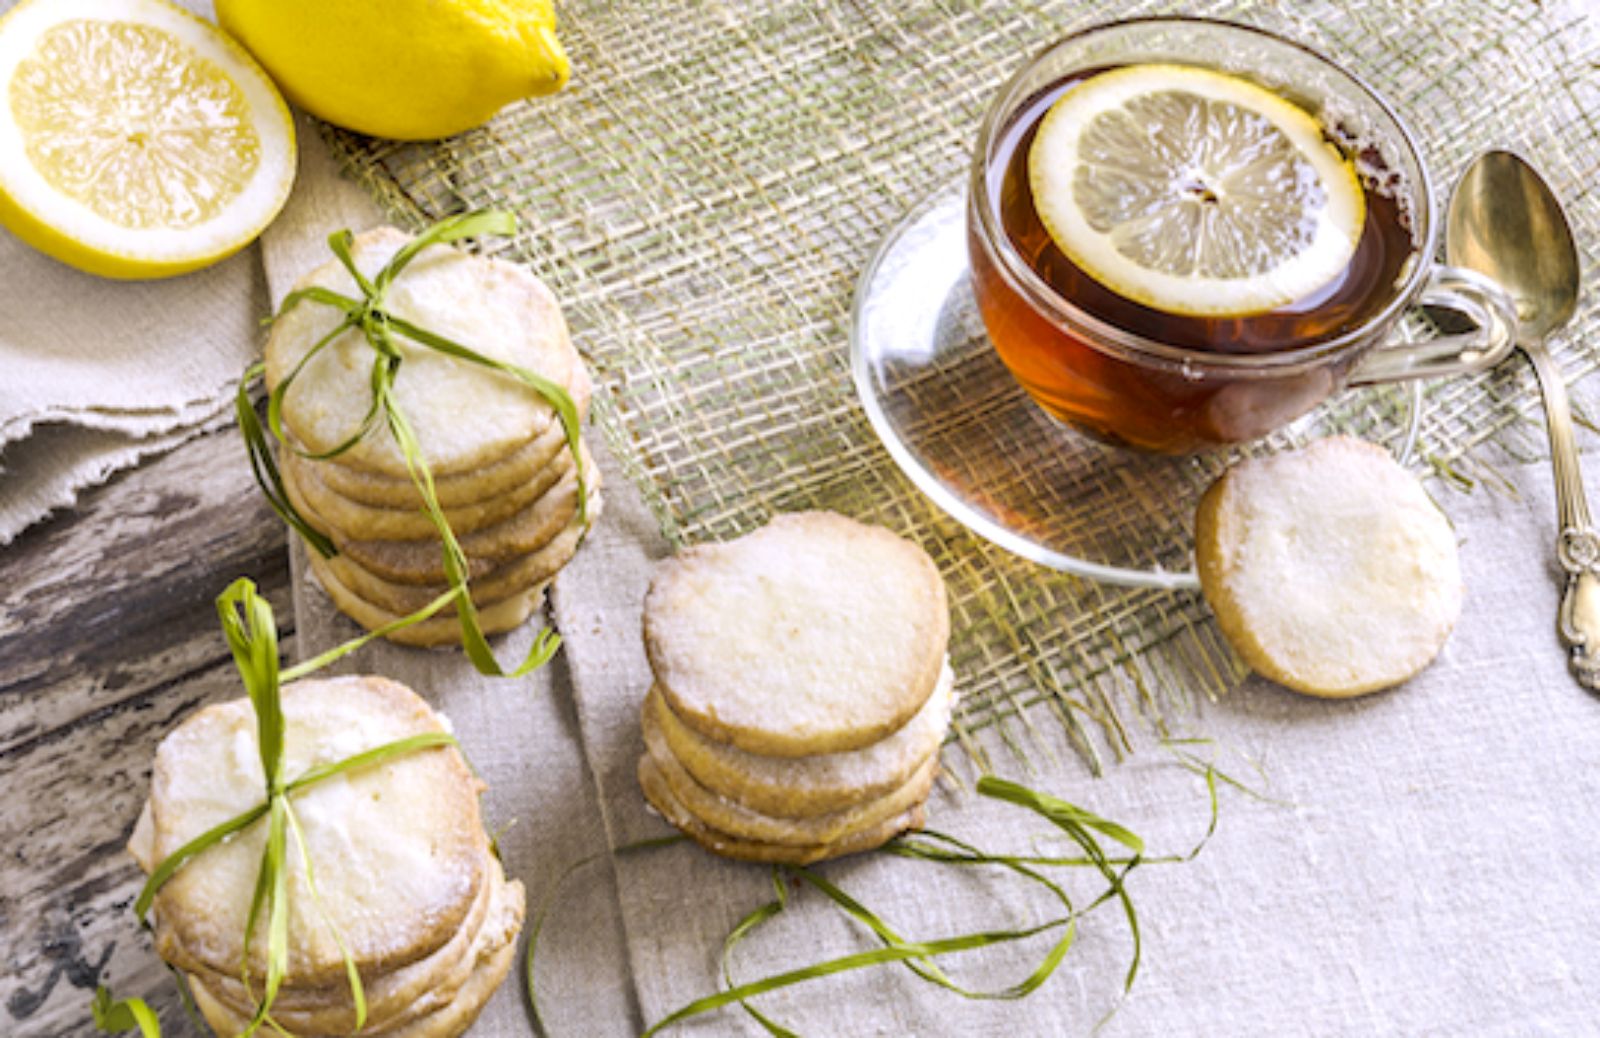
1578	546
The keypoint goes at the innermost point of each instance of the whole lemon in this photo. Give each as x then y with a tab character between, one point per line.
410	69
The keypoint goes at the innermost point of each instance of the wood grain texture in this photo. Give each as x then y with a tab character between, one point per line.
109	637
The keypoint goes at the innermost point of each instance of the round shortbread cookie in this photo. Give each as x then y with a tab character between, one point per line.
814	634
435	1014
797	787
1330	569
352	520
496	308
392	997
444	628
734	819
420	562
438	1015
399	848
659	794
463	488
456	1017
537	567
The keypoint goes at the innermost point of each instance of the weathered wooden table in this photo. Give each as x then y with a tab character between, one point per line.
109	636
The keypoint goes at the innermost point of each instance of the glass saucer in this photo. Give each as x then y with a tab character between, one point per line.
957	423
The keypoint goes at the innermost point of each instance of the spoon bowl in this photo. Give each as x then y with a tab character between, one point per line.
1505	222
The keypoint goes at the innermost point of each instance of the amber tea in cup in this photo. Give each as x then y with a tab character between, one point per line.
1171	380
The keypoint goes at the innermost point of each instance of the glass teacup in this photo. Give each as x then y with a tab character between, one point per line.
1128	373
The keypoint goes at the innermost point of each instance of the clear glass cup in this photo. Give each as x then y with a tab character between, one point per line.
1133	390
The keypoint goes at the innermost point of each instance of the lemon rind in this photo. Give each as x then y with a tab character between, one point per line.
468	61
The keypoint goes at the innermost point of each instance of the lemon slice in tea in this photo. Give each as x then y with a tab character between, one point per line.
137	140
1194	192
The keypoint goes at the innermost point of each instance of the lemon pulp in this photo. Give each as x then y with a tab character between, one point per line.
140	140
1194	192
133	124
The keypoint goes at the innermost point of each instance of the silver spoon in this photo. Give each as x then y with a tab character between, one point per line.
1506	223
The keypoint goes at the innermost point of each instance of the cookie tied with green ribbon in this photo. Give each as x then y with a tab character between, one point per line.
317	857
427	405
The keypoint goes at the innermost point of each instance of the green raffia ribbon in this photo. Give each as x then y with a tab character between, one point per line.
252	636
1082	827
536	926
369	315
124	1014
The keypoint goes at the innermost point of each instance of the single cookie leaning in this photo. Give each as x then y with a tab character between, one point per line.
815	634
1330	569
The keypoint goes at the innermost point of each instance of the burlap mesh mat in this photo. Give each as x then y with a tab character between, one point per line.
705	194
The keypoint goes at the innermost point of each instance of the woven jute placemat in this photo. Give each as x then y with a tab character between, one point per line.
703	199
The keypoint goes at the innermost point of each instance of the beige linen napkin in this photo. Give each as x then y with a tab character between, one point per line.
521	735
96	375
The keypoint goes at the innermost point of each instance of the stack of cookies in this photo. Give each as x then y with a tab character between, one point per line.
502	469
801	690
403	870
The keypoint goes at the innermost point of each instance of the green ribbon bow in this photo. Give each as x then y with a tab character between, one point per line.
252	635
380	327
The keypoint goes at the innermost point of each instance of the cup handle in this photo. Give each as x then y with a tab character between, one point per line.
1466	292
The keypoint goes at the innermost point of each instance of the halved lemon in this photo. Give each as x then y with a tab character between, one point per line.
136	140
1194	192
